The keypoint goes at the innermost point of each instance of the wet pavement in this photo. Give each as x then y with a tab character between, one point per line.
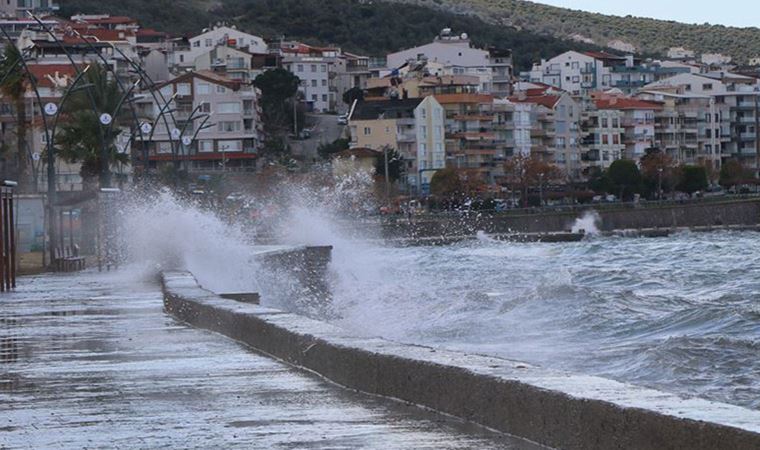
91	361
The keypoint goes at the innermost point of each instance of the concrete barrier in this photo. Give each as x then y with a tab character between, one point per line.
556	409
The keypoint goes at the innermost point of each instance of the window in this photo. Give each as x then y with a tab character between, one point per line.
197	44
313	67
615	123
707	87
314	97
576	79
183	89
206	146
324	97
313	83
605	139
367	131
324	68
209	42
300	67
229	108
230	146
324	82
204	88
205	107
605	122
423	131
616	139
576	65
220	89
181	58
228	126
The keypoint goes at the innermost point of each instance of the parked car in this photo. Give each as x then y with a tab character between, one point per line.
343	119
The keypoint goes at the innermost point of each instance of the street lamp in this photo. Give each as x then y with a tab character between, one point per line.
659	184
541	189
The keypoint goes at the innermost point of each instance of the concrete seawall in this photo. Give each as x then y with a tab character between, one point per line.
552	408
716	213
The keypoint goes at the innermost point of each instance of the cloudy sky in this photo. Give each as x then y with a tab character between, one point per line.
741	13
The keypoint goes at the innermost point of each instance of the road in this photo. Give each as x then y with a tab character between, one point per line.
92	361
326	129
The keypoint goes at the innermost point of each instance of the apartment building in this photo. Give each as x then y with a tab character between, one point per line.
637	120
19	8
727	119
413	126
456	56
581	73
472	141
185	51
228	61
604	136
213	123
315	86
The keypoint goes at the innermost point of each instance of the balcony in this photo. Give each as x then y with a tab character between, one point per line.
404	137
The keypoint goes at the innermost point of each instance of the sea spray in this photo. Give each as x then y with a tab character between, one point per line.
587	223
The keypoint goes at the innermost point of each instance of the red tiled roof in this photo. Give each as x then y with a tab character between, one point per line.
41	72
603	55
150	32
626	103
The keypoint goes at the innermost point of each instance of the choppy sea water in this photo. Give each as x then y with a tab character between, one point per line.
681	314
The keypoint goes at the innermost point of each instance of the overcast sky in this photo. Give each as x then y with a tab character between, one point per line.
740	13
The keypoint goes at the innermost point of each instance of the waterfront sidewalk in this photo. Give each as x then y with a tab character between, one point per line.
91	361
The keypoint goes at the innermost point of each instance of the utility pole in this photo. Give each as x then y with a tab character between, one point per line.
387	180
757	138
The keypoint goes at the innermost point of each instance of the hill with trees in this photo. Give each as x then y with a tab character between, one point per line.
649	36
371	28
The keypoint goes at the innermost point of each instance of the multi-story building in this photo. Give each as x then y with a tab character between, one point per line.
582	73
193	139
314	73
19	8
555	117
414	127
604	135
471	139
186	51
726	119
456	56
637	120
229	61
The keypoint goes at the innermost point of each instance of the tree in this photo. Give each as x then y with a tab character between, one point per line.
83	138
693	179
658	171
447	184
732	173
624	177
524	172
14	86
353	94
395	165
278	90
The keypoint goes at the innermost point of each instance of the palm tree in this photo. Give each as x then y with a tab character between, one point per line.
83	138
14	87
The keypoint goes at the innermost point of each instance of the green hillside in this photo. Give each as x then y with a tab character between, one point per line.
366	27
648	35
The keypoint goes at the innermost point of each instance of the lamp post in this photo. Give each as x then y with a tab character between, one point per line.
541	189
659	184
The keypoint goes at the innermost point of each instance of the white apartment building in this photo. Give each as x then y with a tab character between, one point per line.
458	57
184	56
19	8
315	86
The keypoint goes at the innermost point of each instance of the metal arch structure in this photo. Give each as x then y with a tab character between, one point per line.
50	125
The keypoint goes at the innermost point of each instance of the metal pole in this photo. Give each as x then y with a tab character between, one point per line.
387	181
3	247
757	139
6	241
12	229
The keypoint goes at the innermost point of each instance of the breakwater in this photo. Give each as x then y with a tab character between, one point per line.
713	214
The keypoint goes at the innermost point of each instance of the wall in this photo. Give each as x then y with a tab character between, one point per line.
739	212
556	409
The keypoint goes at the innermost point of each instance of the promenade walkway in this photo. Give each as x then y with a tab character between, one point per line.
91	361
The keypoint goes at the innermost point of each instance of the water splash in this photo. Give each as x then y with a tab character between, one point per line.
587	223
